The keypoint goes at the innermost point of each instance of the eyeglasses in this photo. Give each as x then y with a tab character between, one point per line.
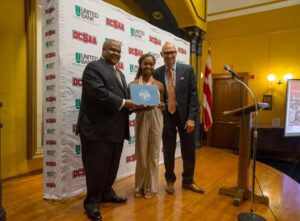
167	53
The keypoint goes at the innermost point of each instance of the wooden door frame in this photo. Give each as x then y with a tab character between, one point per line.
245	77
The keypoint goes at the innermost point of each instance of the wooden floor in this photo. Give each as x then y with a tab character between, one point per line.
22	197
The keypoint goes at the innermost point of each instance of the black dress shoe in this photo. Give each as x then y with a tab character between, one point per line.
94	214
115	199
193	187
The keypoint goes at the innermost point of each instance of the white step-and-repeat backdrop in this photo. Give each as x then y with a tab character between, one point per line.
73	34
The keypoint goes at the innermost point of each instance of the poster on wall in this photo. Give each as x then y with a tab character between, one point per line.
73	34
292	111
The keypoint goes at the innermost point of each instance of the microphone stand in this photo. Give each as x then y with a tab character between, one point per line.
2	211
251	216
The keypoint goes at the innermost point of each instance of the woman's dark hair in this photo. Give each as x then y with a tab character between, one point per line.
139	72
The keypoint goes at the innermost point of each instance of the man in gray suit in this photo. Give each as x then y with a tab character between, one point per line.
103	124
182	108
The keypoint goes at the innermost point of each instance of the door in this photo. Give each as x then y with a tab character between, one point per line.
228	94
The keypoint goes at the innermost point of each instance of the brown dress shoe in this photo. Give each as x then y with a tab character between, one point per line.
193	187
170	188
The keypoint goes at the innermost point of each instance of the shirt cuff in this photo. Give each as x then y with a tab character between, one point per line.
122	105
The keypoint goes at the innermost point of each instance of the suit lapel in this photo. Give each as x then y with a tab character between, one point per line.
124	86
115	77
162	75
179	74
162	80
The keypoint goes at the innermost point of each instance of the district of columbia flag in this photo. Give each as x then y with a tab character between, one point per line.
207	94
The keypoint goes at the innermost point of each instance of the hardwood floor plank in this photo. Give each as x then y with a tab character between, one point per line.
22	197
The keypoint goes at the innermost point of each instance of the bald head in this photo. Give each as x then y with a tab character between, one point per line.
169	53
168	45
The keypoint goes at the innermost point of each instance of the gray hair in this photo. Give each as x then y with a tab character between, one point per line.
108	42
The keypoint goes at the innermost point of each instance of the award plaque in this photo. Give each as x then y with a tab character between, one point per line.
147	95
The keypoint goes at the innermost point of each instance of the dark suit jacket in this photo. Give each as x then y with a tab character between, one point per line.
185	91
102	96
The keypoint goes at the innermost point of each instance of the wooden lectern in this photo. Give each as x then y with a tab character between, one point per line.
241	191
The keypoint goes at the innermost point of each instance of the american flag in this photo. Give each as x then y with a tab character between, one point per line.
207	95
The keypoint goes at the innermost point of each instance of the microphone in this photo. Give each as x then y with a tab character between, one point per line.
227	68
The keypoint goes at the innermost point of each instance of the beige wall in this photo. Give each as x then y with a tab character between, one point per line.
261	43
13	90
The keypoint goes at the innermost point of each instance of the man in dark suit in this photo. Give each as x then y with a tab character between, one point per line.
182	108
103	126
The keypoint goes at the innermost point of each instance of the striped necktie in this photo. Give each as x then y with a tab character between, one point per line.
117	75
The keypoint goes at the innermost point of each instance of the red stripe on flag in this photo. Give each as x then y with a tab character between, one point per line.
207	95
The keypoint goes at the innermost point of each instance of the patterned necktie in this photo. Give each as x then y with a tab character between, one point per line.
171	92
117	75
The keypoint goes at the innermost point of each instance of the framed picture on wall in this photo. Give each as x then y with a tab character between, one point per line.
292	109
267	99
